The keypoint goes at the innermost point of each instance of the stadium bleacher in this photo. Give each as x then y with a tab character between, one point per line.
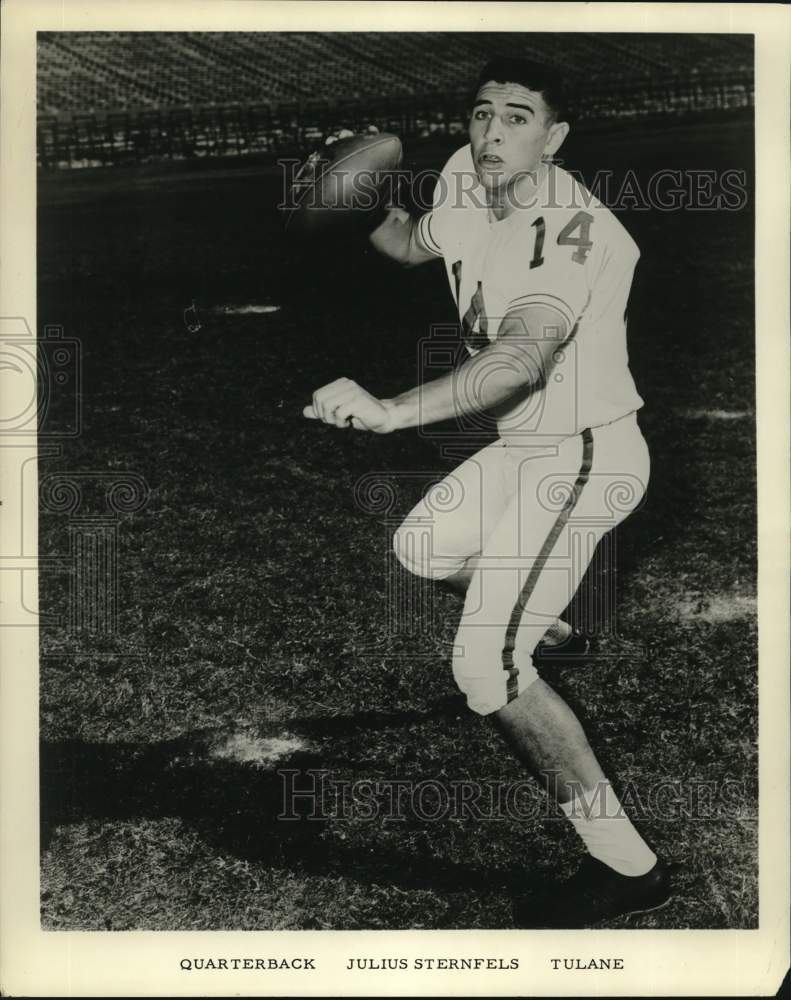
289	84
89	71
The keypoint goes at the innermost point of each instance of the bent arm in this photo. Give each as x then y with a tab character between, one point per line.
520	359
399	238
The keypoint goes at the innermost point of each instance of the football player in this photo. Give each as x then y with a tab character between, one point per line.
540	272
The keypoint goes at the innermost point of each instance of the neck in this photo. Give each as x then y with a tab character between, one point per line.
518	194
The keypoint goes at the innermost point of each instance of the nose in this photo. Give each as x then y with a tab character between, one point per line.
493	132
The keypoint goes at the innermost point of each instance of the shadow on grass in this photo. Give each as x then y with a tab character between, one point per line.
237	806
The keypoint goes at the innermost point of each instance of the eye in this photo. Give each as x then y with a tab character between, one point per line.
481	114
518	119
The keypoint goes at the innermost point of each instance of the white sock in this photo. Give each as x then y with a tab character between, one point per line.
607	831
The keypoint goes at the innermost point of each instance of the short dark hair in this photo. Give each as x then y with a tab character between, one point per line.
534	76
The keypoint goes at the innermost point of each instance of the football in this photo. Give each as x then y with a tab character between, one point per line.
344	184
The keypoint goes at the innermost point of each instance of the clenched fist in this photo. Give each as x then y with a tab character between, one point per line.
344	403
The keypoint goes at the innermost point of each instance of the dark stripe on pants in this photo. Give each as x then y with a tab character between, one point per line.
512	684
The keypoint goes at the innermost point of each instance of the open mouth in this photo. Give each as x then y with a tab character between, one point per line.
490	163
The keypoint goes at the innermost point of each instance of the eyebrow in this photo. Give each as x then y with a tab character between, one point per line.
522	107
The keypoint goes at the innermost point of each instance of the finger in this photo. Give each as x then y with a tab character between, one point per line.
323	396
362	413
330	397
346	414
356	423
329	417
311	414
397	214
395	204
346	403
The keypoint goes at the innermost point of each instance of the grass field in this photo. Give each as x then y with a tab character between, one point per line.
253	630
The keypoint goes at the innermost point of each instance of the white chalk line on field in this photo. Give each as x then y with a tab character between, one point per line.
717	414
246	749
716	608
253	309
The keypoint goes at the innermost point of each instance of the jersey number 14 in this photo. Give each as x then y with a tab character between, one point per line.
582	242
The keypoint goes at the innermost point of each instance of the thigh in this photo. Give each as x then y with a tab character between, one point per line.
576	511
563	505
528	546
457	514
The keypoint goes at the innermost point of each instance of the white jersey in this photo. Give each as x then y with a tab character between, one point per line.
564	251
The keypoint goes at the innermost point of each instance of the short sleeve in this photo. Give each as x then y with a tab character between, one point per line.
611	277
443	228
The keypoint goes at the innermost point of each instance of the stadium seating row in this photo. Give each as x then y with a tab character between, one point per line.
100	71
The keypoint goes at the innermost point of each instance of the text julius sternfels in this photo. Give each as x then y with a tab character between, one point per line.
392	964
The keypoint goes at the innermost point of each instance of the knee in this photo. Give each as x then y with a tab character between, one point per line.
481	673
413	544
410	545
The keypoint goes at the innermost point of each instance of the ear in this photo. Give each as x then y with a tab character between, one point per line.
557	133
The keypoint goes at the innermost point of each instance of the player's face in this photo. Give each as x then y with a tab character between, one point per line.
511	128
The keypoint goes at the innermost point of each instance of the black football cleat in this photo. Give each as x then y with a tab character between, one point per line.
575	649
594	893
